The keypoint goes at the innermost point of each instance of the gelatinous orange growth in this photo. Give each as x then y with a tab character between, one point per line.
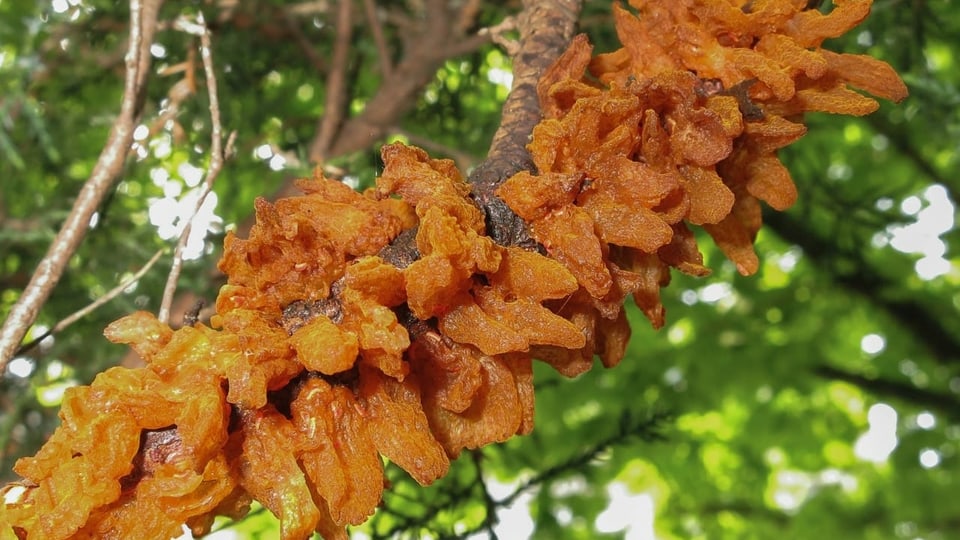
329	350
681	126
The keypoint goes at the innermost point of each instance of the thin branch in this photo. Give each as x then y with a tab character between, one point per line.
745	508
931	327
319	64
467	45
376	30
434	39
90	308
143	19
336	86
630	427
216	157
646	430
498	35
406	523
177	94
945	404
438	38
492	519
308	9
908	149
467	16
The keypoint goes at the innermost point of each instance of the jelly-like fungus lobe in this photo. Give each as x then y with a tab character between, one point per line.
387	324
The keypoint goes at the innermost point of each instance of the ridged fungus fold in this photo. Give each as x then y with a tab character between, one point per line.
325	355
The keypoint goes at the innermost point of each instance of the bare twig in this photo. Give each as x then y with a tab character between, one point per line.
92	306
439	36
436	39
336	86
943	402
648	428
498	35
143	19
468	44
177	94
216	157
467	16
293	25
383	53
492	519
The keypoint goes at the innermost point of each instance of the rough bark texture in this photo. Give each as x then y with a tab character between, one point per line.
546	28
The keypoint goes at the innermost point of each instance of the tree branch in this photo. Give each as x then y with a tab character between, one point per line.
904	145
217	156
92	306
143	22
647	430
293	26
931	330
437	39
943	403
546	28
376	30
333	108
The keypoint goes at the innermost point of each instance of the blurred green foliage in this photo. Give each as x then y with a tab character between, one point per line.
817	399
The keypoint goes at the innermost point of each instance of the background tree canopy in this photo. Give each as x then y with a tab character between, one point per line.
819	398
